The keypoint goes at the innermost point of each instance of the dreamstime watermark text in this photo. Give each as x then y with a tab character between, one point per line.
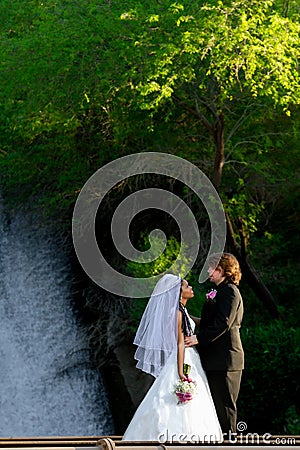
241	437
185	438
238	437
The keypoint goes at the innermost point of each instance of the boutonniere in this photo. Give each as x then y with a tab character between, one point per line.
211	294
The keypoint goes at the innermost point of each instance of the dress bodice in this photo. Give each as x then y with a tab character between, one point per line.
192	323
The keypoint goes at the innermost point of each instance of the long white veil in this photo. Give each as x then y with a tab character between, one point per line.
156	336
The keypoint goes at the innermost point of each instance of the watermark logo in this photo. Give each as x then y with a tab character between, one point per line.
106	178
241	426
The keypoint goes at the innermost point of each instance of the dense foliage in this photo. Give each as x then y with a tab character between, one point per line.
215	82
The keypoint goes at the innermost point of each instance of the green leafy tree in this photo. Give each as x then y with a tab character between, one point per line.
53	132
217	61
84	82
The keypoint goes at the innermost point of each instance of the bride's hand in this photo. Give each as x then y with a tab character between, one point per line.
189	341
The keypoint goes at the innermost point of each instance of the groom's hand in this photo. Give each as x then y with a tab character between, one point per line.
189	341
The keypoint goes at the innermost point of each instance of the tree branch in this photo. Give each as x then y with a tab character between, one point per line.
196	112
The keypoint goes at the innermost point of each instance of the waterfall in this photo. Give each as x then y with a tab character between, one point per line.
48	385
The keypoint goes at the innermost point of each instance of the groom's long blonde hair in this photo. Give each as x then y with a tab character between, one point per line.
229	264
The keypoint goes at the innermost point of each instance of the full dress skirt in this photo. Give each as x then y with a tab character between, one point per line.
160	418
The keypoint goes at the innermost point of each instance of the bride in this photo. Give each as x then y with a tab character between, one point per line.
161	353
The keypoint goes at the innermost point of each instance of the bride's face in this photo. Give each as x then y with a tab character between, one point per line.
186	290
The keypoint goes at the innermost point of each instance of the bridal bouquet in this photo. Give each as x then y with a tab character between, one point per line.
184	389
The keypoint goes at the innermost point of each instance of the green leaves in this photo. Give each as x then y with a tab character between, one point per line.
164	254
272	360
93	78
242	44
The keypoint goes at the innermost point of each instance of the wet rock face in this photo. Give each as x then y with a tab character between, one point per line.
126	385
137	382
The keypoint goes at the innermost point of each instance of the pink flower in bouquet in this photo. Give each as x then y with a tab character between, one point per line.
184	390
184	397
188	379
211	295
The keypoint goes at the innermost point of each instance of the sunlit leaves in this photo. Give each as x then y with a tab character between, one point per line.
129	15
162	261
242	45
77	73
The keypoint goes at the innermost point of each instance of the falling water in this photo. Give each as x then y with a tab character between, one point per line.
48	385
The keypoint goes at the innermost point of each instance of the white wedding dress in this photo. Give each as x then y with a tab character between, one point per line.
160	418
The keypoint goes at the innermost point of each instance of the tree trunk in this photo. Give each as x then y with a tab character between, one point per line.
218	136
259	287
240	252
248	271
217	132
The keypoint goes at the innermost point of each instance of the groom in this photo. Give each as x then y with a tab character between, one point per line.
218	341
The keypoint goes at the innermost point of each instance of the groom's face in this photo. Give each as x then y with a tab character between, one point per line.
216	275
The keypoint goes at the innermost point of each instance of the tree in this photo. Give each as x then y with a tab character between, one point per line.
214	59
51	128
87	75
